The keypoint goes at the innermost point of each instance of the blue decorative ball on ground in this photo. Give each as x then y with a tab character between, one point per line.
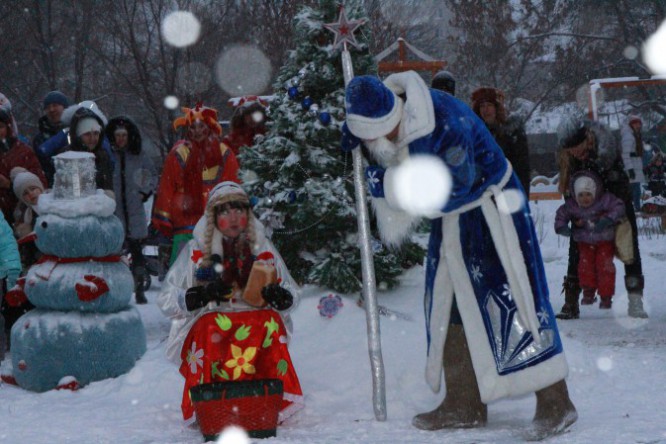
329	305
324	118
307	103
293	92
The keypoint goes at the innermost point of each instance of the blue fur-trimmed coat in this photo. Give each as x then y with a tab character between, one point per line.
488	258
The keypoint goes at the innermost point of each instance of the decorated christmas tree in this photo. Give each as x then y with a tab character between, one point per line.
300	178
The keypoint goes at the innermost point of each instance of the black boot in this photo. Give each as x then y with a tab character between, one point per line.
571	290
462	406
554	412
138	273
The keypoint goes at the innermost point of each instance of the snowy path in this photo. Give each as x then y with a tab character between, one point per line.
617	378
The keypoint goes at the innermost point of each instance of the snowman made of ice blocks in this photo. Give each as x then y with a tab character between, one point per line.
83	328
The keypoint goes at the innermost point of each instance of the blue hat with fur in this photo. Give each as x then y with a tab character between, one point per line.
373	110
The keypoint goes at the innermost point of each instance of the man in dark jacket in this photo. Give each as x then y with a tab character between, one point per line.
509	132
50	123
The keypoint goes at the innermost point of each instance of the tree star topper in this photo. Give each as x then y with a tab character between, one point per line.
344	29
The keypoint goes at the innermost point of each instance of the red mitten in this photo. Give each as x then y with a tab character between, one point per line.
92	288
16	297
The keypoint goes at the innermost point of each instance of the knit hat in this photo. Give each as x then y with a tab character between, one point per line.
585	184
634	118
22	179
491	95
222	193
225	192
373	110
444	81
199	112
86	125
55	97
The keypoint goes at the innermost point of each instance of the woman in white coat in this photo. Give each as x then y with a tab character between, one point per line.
222	329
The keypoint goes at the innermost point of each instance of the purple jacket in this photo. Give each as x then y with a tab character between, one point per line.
605	205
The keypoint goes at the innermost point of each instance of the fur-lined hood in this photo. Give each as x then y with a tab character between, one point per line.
133	133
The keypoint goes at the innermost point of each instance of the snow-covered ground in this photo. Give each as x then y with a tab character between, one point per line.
617	377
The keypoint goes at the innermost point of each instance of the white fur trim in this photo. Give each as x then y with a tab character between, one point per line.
418	116
370	128
441	307
390	193
394	225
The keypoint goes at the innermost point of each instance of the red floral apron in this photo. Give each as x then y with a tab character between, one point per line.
239	346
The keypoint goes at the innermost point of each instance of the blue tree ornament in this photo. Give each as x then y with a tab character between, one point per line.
292	197
307	103
293	92
324	118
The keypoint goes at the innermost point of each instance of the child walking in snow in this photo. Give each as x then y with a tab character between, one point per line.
594	214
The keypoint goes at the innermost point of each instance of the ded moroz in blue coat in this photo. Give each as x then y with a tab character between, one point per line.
488	258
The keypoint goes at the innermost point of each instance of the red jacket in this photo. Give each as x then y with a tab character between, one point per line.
19	155
190	171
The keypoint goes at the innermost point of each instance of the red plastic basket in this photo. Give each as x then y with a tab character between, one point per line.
252	405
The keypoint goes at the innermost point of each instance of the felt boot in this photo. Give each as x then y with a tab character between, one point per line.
138	274
554	412
462	406
634	285
606	302
571	290
589	296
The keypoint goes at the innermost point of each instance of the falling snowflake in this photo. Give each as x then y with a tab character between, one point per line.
506	292
476	273
194	358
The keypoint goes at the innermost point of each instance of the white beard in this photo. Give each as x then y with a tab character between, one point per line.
394	224
386	152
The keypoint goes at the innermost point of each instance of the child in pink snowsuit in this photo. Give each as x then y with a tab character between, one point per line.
594	213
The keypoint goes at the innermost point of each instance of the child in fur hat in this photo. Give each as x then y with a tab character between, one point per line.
27	188
593	213
208	287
